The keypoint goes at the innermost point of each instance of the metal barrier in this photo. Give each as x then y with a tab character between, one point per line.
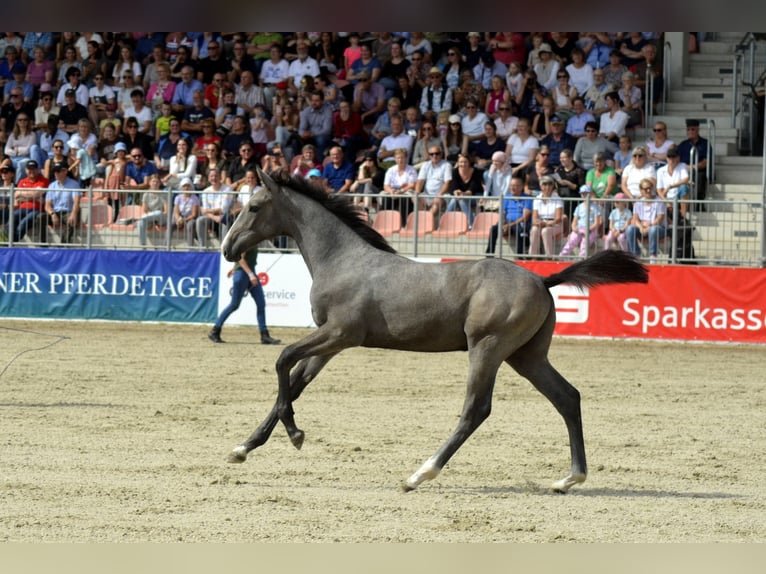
728	233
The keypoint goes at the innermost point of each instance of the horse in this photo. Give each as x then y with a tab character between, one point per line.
365	294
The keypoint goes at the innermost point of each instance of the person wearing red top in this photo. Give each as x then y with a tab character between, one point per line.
348	132
28	203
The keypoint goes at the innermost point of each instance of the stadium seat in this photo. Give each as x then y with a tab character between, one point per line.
452	224
387	222
425	224
99	215
482	224
127	218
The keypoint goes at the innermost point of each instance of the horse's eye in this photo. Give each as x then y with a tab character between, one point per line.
254	208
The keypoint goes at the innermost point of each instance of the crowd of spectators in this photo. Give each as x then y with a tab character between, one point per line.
359	112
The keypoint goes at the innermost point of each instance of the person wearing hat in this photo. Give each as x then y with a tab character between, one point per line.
72	112
369	99
693	140
557	140
73	83
436	97
547	68
587	223
473	49
62	202
673	181
547	218
315	174
186	207
30	203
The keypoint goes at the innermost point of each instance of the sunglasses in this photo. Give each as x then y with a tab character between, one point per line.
434	153
646	189
638	155
544	154
503	109
659	129
138	156
58	147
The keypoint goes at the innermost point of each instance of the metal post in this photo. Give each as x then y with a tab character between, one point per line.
169	221
711	137
11	221
674	231
763	198
734	91
649	97
501	215
89	228
666	74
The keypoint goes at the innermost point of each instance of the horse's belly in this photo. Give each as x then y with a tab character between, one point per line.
423	338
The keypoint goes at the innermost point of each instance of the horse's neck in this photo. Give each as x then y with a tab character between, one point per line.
322	238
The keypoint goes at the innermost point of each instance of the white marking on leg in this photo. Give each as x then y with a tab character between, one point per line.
568	482
239	454
428	471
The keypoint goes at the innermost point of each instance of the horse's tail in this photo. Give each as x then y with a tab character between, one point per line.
603	268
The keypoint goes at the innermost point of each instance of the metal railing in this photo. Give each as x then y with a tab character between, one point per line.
727	233
743	102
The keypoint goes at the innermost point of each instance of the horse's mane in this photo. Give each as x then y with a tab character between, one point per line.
336	204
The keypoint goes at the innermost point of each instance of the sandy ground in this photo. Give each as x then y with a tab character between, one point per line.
119	432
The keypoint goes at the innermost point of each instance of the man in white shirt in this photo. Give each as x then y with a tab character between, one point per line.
395	140
215	211
303	65
433	182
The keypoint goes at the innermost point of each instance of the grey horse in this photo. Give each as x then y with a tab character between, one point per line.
365	294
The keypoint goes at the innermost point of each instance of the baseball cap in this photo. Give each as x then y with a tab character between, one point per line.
70	92
586	188
434	71
692	123
120	146
184	181
619	196
547	179
281	85
454	119
32	163
556	119
364	74
544	47
45	88
59	166
314	173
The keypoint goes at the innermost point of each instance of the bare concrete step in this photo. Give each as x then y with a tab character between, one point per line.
701	95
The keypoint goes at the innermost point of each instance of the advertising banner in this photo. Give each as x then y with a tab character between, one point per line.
115	285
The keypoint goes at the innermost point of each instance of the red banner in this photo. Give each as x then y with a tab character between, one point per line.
680	302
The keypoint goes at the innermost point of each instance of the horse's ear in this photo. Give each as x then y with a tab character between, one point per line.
268	183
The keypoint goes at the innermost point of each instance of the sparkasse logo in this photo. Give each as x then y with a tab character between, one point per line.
572	304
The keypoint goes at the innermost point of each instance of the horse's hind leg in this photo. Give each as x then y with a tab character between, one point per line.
531	362
303	373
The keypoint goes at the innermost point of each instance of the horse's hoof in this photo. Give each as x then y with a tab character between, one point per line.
238	455
297	439
562	486
407	488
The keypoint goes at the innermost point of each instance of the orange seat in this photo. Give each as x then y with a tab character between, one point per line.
452	224
127	218
425	224
482	224
387	222
99	215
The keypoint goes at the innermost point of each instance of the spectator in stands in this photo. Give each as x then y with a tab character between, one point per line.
240	60
497	95
557	141
382	126
19	81
40	70
497	180
590	144
307	160
124	92
105	151
517	211
154	208
8	64
184	95
601	178
247	94
397	139
29	204
45	108
396	67
547	218
369	98
274	159
7	180
521	148
366	61
244	280
547	68
434	180
66	64
641	70
412	121
614	71
208	137
62	203
570	178
73	84
630	48
454	141
648	221
541	124
408	94
213	160
347	131
595	97
632	103
197	116
22	144
137	172
658	146
513	80
436	97
580	72
488	68
338	173
33	40
673	181
71	113
531	96
214	93
619	219
158	57
469	88
638	170
94	63
162	90
623	155
505	122
316	123
400	179
473	49
167	144
563	94
215	211
486	147
693	140
99	97
303	65
214	63
587	224
613	122
240	164
59	154
140	111
369	181
182	164
577	122
427	138
467	187
126	62
186	206
239	133
274	71
179	61
473	123
596	46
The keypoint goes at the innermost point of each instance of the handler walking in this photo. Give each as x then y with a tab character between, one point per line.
245	280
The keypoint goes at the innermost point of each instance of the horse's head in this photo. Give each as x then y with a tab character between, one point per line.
257	221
